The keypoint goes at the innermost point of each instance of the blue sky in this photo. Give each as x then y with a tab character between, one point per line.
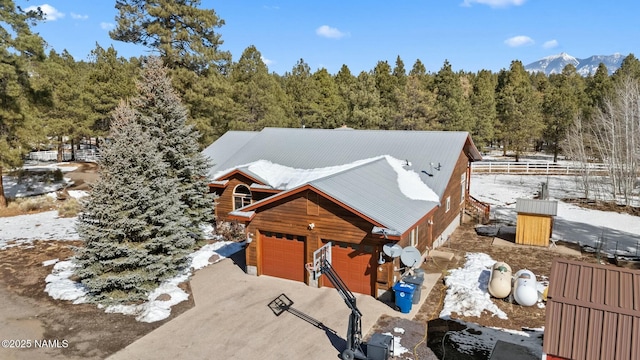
471	34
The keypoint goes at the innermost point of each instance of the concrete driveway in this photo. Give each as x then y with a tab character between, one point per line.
231	320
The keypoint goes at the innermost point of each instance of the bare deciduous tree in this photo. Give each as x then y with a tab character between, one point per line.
612	135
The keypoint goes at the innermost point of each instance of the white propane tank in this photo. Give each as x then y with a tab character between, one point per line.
525	291
500	280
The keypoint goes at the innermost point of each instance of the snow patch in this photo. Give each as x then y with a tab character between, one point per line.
467	292
50	262
398	349
61	287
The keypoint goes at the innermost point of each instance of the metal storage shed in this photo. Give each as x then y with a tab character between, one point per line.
592	312
535	221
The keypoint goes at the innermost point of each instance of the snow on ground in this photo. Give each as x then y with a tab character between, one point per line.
24	229
467	289
572	224
398	349
16	188
60	287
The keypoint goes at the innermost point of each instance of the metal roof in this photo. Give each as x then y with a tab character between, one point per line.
226	146
592	312
315	148
539	207
372	189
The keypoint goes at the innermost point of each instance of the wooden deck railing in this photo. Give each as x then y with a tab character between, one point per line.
480	209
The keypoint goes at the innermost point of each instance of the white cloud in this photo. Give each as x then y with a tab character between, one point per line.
329	32
495	3
550	44
107	26
520	40
79	16
267	61
50	13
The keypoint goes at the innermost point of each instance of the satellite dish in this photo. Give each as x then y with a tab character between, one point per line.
410	256
392	250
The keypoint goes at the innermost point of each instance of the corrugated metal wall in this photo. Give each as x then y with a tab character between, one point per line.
593	312
533	229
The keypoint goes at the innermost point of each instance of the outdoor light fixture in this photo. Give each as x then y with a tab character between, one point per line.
311	226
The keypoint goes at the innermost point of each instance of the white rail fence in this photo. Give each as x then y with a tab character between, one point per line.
81	155
510	167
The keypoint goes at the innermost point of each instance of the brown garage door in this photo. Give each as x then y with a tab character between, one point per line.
354	265
283	256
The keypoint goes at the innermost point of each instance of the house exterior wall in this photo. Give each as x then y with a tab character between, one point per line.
293	214
224	204
444	222
533	229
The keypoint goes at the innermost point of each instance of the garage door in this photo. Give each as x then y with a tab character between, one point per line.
354	265
283	256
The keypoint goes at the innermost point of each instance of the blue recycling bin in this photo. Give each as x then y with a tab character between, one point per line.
404	296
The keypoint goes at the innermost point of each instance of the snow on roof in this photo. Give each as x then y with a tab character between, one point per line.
285	178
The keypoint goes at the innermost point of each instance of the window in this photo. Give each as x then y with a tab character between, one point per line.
448	204
241	197
414	237
463	187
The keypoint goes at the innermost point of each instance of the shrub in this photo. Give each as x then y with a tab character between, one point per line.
57	175
69	208
36	203
231	231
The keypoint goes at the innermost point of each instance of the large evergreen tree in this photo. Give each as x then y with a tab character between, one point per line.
331	108
454	108
133	222
561	106
164	117
258	97
303	94
108	79
20	49
518	109
65	115
483	103
182	33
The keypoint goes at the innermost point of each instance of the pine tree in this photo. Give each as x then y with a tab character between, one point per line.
331	107
483	103
518	107
303	93
258	96
164	117
561	105
179	30
20	49
133	222
109	78
454	108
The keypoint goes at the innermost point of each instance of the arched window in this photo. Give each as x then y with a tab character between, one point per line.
241	197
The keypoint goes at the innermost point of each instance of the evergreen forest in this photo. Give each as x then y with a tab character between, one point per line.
52	101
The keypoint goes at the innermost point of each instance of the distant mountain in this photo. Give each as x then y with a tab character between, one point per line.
555	63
